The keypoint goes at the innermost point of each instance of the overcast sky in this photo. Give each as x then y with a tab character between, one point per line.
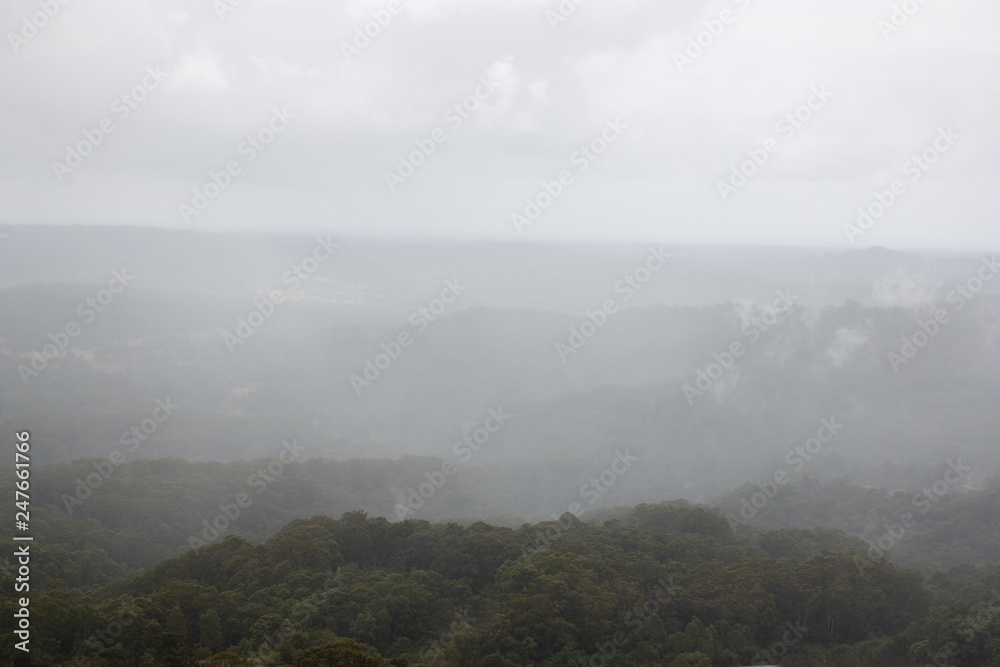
675	124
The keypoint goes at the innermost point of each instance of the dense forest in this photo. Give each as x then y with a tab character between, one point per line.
670	583
148	510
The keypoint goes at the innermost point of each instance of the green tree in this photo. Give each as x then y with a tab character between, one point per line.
691	660
175	621
228	659
340	653
210	630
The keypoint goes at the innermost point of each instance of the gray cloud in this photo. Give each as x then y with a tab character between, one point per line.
556	88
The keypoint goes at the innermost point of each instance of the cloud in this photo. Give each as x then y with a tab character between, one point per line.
846	341
904	288
687	129
199	72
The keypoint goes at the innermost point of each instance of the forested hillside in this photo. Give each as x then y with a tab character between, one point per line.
668	584
145	511
278	579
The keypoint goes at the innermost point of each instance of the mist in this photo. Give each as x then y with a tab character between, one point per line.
508	333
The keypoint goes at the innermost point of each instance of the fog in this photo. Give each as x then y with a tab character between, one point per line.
331	330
